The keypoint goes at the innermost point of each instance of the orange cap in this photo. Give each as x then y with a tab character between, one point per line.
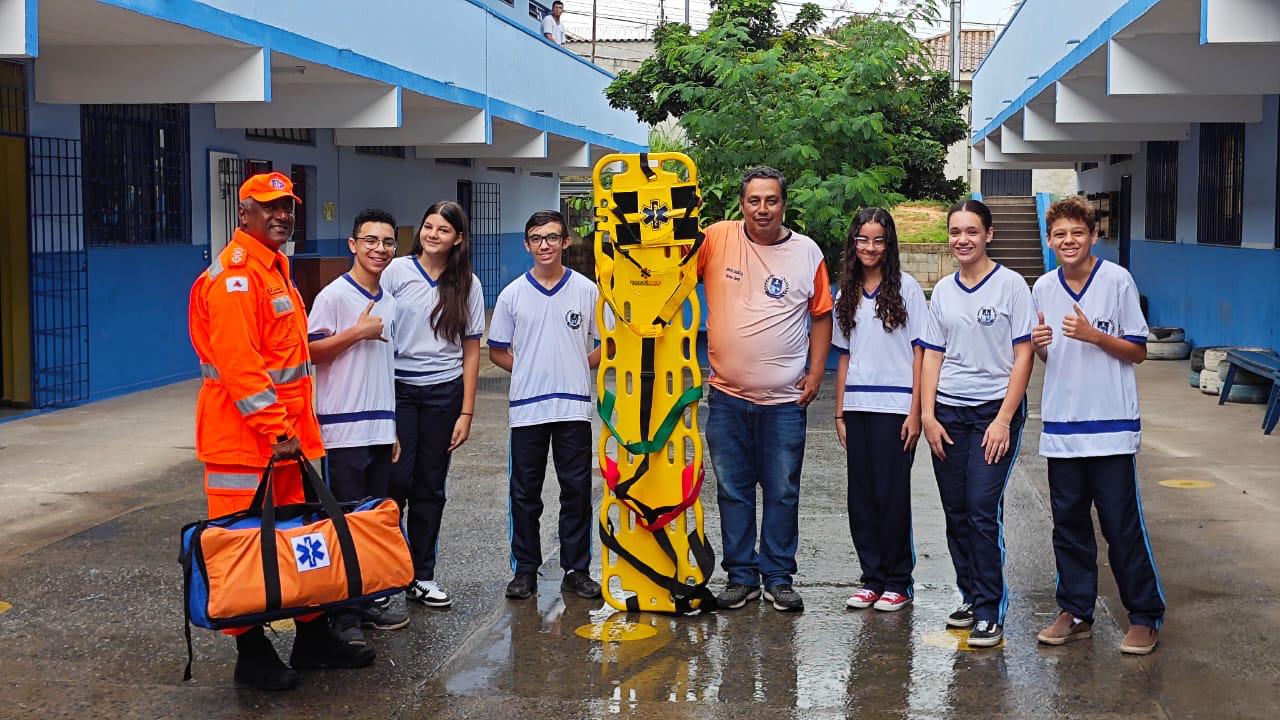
267	187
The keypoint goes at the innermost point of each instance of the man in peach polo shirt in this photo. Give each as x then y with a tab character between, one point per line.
768	331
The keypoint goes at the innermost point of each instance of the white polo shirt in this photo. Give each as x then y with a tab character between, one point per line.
880	363
553	28
422	358
1090	400
976	328
550	333
355	392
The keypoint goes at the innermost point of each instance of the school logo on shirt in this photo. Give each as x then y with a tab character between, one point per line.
776	287
986	316
573	319
1105	326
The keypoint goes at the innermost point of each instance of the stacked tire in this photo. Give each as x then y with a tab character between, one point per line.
1167	344
1246	387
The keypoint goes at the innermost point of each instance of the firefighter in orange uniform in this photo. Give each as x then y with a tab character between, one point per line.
249	329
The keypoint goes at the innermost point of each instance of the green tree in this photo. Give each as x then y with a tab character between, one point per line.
851	115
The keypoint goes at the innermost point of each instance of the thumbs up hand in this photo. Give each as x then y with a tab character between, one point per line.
1078	327
369	326
1041	334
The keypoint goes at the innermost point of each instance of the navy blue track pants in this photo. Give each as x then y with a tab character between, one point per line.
879	500
972	493
1110	484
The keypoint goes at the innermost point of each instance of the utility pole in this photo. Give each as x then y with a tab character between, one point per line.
593	31
955	45
662	12
686	12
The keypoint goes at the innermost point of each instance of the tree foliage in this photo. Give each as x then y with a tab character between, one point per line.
851	115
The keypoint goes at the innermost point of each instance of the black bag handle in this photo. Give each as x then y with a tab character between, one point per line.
346	545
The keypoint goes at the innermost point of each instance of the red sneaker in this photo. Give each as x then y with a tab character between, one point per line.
892	602
862	599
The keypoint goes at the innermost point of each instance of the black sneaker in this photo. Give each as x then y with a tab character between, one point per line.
735	595
258	665
962	617
784	598
346	628
576	581
315	647
384	614
986	634
522	587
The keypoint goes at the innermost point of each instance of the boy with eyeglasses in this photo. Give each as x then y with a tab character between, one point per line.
541	332
349	331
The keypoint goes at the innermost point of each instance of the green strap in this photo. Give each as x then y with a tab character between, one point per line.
687	398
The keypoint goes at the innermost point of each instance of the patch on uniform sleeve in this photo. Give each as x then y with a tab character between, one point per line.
238	256
239	283
281	305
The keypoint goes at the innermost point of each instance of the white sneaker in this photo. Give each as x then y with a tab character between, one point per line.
429	593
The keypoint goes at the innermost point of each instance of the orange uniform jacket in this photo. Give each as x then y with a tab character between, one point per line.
249	329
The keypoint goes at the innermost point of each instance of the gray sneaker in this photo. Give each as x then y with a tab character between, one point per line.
385	614
784	598
735	595
346	628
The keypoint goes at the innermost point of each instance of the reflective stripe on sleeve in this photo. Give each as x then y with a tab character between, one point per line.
290	374
215	268
257	401
209	371
231	481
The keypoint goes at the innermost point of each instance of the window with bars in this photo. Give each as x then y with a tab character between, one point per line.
136	174
13	99
390	151
1221	192
301	239
537	10
1162	191
460	162
296	136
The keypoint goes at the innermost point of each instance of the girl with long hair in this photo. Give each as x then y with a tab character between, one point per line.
881	315
438	325
977	362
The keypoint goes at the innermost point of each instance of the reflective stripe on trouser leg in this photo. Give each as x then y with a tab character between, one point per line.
230	488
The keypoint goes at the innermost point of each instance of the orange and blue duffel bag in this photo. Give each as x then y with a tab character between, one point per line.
268	563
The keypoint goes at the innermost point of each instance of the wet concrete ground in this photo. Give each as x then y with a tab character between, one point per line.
94	623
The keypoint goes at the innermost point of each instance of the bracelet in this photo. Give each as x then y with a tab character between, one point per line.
468	414
1001	424
839	417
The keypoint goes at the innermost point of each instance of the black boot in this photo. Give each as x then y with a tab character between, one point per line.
258	665
315	647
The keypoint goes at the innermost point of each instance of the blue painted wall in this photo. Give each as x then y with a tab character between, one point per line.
138	316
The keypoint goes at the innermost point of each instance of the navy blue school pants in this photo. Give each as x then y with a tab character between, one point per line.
972	493
570	445
1109	483
879	500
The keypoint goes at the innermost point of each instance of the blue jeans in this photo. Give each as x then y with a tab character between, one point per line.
757	445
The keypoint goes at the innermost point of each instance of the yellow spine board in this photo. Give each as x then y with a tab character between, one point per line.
648	314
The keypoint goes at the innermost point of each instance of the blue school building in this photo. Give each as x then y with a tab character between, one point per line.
127	125
1169	112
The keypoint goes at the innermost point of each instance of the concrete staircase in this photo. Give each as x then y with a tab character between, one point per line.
1017	241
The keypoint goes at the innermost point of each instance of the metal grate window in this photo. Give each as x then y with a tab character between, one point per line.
59	273
1162	191
301	238
538	10
486	234
1221	201
297	136
390	151
137	174
13	99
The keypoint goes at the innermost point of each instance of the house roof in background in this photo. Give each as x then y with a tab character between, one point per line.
974	46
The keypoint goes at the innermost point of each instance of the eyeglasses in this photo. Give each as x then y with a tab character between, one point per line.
864	241
549	239
371	242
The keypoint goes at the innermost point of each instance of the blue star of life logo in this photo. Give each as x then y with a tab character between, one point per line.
312	552
655	215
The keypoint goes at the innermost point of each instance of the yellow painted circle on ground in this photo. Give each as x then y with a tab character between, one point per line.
616	631
1187	484
5	607
954	639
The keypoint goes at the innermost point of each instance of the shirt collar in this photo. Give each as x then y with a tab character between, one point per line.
259	251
